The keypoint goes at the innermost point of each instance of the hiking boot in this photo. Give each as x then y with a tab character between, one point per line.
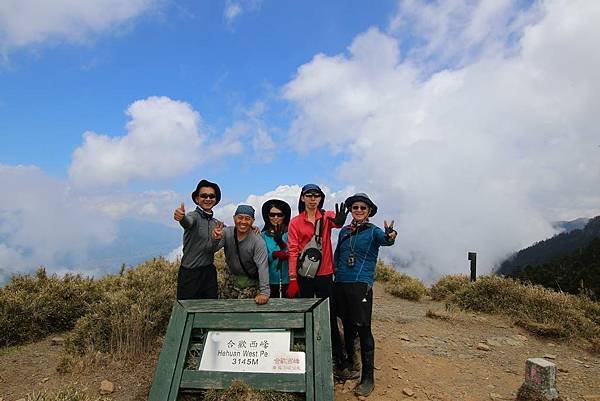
367	381
348	374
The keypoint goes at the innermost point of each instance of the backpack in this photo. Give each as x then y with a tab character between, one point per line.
309	260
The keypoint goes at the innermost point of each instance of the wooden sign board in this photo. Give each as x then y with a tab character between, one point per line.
237	325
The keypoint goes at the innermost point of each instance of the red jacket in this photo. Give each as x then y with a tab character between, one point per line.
300	231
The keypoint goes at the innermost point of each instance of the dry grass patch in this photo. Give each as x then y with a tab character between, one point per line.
240	391
66	394
538	309
447	286
406	287
437	315
32	307
384	273
133	312
399	284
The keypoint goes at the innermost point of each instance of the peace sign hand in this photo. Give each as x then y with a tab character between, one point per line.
218	230
390	233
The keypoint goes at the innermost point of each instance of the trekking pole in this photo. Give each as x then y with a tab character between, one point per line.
280	283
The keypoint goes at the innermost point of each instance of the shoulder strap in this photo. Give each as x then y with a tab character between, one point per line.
319	227
237	248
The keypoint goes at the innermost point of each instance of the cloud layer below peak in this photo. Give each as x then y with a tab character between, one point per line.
476	155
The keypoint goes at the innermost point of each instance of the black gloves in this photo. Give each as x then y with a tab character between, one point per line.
341	212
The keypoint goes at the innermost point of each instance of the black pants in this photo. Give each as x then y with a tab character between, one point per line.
322	287
197	283
354	303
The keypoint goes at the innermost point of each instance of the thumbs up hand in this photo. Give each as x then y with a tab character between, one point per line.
179	212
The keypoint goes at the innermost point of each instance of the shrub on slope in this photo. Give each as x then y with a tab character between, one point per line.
534	307
35	306
399	284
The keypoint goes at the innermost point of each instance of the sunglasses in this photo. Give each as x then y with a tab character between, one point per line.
207	196
312	195
275	214
357	207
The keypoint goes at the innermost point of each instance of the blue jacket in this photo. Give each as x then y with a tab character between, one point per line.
273	263
365	245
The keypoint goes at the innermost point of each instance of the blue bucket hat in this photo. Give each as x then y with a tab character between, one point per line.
244	209
310	188
361	197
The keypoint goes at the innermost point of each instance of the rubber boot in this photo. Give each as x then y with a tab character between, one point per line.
367	381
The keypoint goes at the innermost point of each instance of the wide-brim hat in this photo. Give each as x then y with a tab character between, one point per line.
361	197
279	204
310	188
206	183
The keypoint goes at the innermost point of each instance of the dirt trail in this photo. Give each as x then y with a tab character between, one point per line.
434	359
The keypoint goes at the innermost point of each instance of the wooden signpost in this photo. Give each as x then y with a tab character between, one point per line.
473	259
210	343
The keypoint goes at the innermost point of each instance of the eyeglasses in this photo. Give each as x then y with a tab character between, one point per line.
357	207
205	196
312	195
275	214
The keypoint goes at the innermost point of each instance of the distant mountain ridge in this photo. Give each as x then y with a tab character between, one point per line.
568	226
567	242
136	242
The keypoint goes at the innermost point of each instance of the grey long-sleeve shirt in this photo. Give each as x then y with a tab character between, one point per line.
199	247
253	253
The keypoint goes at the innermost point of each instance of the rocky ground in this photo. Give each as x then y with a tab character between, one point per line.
451	356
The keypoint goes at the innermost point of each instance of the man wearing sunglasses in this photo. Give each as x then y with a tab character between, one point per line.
355	259
197	277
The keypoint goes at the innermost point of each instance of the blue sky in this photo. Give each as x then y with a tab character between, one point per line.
53	92
472	123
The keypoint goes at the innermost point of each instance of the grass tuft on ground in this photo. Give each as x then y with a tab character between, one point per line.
35	306
447	286
399	284
65	394
538	309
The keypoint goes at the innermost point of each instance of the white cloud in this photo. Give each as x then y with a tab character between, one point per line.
455	32
232	10
474	158
163	139
41	223
155	206
235	9
248	130
26	22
